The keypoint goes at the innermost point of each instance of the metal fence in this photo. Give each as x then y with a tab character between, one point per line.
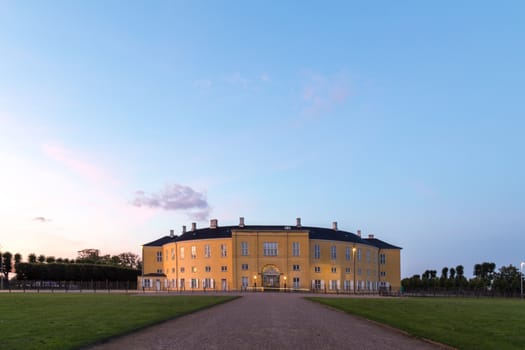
71	286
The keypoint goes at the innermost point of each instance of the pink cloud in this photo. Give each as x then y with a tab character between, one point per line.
73	162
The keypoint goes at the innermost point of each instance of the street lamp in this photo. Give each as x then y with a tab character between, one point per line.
254	282
521	278
285	283
353	254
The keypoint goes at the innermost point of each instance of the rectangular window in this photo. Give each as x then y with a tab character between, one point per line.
172	270
296	267
207	269
207	251
146	283
159	256
317	284
194	283
193	252
382	259
270	249
359	271
224	268
317	251
383	273
244	267
333	285
244	281
368	256
182	269
244	248
358	254
206	283
347	270
347	253
182	283
317	269
193	269
334	269
159	270
296	249
296	283
224	250
182	252
172	253
333	252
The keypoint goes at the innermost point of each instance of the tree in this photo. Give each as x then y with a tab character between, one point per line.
50	259
507	281
41	258
88	256
130	260
7	264
31	258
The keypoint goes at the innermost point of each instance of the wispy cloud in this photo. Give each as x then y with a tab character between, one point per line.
237	79
73	162
323	93
203	84
41	219
176	197
264	78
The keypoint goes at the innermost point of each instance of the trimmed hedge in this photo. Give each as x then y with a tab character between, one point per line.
74	272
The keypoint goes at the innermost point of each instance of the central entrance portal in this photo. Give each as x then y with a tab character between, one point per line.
271	277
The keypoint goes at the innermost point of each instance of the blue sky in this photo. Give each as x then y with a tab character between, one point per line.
122	120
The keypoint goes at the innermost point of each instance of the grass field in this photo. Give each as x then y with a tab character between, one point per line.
69	321
461	323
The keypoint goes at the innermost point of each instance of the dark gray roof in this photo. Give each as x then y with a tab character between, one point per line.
314	233
381	244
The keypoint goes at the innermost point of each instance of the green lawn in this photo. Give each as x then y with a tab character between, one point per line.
69	321
461	323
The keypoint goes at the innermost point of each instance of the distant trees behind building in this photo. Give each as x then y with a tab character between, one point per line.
506	281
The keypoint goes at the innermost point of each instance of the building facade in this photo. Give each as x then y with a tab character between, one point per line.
268	257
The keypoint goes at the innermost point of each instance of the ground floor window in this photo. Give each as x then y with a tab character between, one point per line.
318	284
207	283
181	283
334	285
194	283
146	283
296	283
244	282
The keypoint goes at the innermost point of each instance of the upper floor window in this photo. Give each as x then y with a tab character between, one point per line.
333	252
159	256
382	259
296	250
224	268
207	269
358	254
296	267
207	250
270	249
334	269
244	248
368	256
224	250
317	251
182	252
172	253
317	269
193	252
244	266
347	253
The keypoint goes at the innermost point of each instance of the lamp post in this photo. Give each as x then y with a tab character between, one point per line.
521	278
1	270
353	254
254	283
285	284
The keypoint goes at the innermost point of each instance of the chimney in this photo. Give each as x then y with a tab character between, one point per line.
359	233
213	223
183	229
298	222
172	233
193	226
334	225
370	235
241	222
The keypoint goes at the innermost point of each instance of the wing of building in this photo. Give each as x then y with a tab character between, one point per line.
262	257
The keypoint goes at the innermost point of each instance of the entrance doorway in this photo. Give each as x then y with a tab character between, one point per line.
271	277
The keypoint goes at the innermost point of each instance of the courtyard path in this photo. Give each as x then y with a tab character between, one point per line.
267	321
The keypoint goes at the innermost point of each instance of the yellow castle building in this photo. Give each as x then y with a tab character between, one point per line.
270	257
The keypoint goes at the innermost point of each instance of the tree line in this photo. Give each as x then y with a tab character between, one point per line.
89	265
506	281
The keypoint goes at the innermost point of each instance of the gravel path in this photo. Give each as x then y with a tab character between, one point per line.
267	321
